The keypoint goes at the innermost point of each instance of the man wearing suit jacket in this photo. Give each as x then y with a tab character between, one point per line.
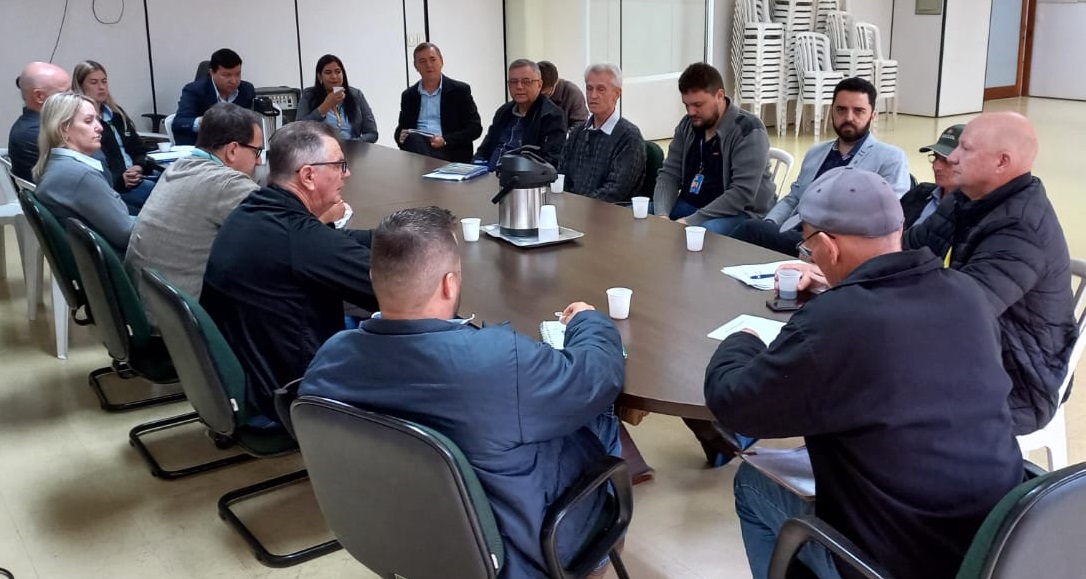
441	108
222	85
852	111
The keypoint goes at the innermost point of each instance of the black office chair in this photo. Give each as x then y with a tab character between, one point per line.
202	70
120	321
216	386
405	502
1034	531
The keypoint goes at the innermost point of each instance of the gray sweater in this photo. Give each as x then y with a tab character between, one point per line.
748	186
71	188
181	218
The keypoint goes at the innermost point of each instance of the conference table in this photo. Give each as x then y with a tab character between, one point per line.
679	296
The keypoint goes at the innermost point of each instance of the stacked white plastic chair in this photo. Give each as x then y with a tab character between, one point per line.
796	16
30	255
822	10
757	55
868	37
817	79
847	57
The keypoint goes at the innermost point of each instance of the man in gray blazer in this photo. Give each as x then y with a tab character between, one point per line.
852	111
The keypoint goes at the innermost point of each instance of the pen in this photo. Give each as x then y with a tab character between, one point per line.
763	276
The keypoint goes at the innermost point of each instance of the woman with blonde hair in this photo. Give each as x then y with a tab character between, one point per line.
132	173
72	183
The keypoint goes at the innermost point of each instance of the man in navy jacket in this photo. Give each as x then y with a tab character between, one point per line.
529	418
223	84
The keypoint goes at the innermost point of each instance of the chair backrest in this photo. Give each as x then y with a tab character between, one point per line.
1078	275
202	70
168	121
812	53
868	38
400	497
1034	531
780	167
839	29
654	159
119	318
54	244
8	193
210	374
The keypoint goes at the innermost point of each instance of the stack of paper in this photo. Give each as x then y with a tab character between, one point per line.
759	275
767	329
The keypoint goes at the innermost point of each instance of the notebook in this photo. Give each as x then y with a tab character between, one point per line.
457	172
553	334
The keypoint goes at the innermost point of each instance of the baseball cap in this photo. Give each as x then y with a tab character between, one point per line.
849	201
948	141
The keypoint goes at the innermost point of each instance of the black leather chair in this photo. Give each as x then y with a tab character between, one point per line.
215	384
404	501
120	321
1034	531
202	70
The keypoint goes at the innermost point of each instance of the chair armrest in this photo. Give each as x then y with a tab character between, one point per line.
797	532
609	470
1032	471
283	398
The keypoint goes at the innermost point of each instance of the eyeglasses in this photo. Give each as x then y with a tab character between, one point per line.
515	82
257	150
804	251
932	158
341	164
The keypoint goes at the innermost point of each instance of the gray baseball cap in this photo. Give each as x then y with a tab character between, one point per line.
849	201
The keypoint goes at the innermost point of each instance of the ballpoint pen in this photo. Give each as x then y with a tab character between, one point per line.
763	276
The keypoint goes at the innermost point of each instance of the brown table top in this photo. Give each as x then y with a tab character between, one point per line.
678	296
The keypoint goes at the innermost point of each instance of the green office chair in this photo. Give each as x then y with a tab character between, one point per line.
403	499
215	384
120	320
654	159
1034	531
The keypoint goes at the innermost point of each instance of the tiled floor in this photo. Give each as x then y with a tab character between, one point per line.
76	501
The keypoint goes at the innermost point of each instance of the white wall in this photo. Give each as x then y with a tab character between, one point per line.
916	44
476	57
965	54
1058	69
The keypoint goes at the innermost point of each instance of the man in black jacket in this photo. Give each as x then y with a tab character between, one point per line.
438	116
525	120
893	377
920	202
1000	228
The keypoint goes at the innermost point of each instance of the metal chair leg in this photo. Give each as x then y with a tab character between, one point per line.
134	438
262	554
123	372
617	565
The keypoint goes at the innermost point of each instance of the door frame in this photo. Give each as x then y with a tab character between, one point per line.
1025	57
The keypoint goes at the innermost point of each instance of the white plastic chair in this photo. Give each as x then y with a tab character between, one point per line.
848	58
779	160
868	38
795	16
757	55
1053	437
168	122
817	79
30	255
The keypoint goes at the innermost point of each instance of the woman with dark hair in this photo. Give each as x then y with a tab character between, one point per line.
124	152
337	103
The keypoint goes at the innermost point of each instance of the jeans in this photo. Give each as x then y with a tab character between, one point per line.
605	427
763	506
721	225
135	197
768	234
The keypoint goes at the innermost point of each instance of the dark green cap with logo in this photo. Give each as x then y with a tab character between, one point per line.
948	141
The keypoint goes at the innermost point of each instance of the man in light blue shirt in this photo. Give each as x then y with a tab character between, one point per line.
438	116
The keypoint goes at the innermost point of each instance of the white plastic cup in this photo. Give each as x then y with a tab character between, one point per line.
548	217
640	207
695	237
164	147
618	302
559	184
788	283
337	89
471	228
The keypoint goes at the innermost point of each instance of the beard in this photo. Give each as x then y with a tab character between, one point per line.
703	123
850	133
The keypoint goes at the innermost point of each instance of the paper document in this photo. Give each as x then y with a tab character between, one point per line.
759	275
457	172
767	329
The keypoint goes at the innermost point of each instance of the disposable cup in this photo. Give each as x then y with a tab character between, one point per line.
559	184
618	302
695	237
640	207
471	228
788	283
164	147
548	217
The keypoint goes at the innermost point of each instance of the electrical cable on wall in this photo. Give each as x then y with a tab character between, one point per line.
94	10
63	17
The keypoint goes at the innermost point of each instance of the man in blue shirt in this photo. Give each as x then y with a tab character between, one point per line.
529	418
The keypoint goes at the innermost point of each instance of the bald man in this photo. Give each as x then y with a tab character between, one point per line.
1000	228
38	81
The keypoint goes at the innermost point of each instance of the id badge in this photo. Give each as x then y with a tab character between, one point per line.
695	184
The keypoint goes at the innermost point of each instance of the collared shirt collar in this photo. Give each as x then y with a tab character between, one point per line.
85	159
440	84
229	98
608	126
202	154
107	113
855	147
457	321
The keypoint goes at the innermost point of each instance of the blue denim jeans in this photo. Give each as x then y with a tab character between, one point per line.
721	225
763	506
605	427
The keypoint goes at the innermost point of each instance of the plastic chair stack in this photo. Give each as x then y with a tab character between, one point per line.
868	38
795	16
757	55
847	57
817	79
822	10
